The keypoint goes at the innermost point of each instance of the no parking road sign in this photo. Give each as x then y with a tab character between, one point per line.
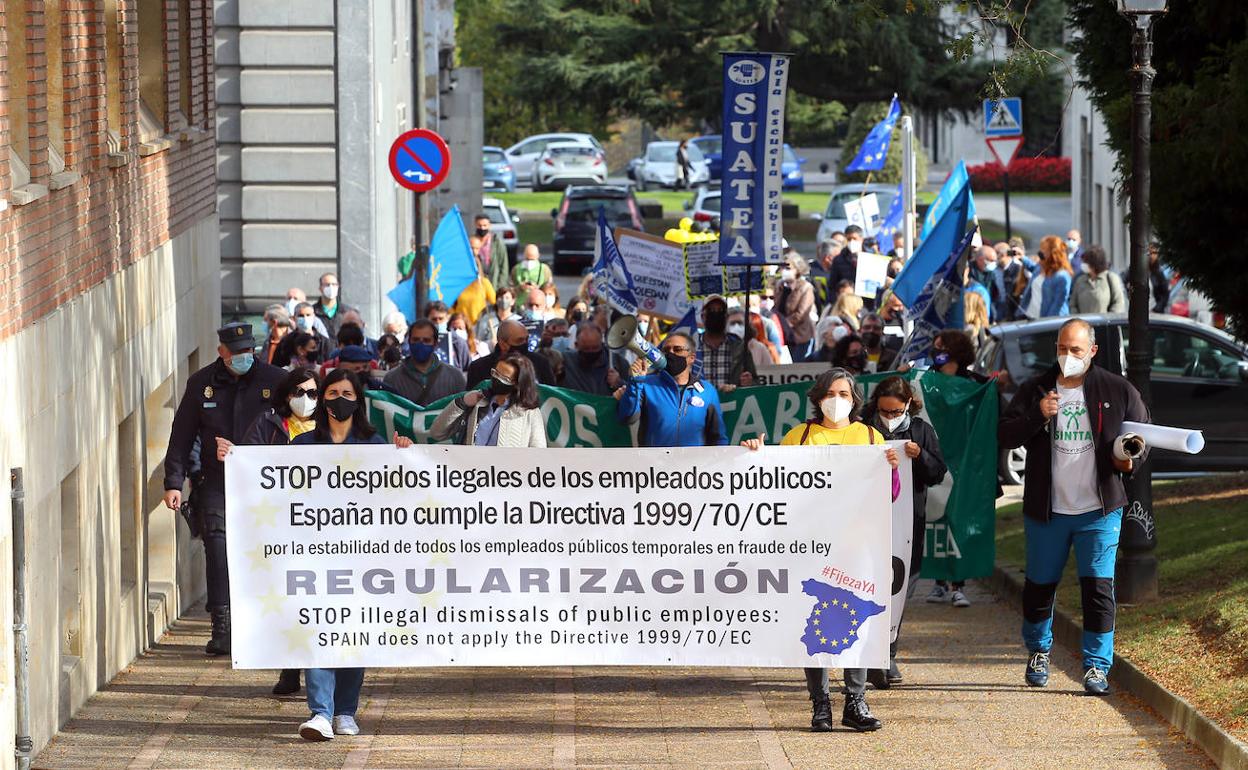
419	160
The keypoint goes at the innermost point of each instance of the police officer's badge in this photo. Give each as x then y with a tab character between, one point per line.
207	391
265	394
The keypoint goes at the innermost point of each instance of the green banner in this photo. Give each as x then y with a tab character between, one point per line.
961	512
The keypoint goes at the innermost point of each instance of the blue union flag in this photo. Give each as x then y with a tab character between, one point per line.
836	619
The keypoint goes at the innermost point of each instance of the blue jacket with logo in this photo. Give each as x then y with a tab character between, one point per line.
672	415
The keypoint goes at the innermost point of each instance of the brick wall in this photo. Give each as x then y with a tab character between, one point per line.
121	207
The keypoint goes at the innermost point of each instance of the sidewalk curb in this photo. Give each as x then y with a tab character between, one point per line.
1226	751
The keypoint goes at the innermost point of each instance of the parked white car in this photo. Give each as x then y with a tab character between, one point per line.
658	166
834	218
524	154
705	204
565	163
503	224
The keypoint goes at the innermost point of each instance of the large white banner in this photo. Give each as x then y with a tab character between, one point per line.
368	555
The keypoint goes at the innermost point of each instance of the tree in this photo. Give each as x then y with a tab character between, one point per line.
1199	155
864	117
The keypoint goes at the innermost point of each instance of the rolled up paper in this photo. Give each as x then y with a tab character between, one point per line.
1176	439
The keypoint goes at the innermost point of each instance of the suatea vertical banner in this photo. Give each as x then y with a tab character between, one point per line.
753	151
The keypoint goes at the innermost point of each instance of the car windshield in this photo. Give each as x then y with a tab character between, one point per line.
709	144
493	156
496	215
836	205
569	152
789	155
710	203
586	209
666	153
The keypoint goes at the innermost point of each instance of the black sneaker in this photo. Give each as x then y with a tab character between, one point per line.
878	678
1094	682
858	716
821	716
1038	669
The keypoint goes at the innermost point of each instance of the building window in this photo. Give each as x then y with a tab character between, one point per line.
184	59
19	94
112	73
153	103
54	32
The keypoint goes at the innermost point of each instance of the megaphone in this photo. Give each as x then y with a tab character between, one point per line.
624	334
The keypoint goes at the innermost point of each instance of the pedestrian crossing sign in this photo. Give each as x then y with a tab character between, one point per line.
1003	117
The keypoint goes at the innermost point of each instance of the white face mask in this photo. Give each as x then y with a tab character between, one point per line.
737	329
854	246
550	300
893	423
767	304
836	409
1086	268
461	333
1072	245
530	264
290	306
303	406
990	266
1072	366
330	292
788	274
304	322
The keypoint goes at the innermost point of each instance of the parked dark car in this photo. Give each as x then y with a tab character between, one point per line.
1199	380
576	221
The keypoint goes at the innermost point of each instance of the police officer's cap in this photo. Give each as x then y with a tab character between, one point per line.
236	336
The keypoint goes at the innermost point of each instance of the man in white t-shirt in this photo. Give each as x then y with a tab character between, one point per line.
1070	420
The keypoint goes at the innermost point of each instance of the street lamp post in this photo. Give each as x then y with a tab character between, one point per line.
1136	579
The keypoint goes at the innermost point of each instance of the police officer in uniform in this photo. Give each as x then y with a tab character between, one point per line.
222	400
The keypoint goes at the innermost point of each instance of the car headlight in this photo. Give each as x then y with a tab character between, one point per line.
794	174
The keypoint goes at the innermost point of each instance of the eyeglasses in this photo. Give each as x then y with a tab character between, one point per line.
494	374
309	392
892	413
677	351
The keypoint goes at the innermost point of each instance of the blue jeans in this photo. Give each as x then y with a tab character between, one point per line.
334	691
1095	538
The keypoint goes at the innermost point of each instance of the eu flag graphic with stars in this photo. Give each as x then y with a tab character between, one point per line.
835	619
874	148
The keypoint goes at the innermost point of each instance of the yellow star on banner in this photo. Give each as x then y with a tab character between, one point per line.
818	611
823	640
853	612
825	605
264	513
833	642
258	562
853	622
845	640
298	637
271	602
852	632
816	621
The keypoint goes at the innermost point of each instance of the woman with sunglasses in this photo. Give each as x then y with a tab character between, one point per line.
835	401
507	414
289	415
341	418
894	409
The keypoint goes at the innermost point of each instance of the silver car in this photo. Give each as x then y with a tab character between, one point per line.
524	153
834	217
565	163
658	166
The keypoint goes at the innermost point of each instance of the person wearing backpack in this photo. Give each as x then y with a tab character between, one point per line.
1098	289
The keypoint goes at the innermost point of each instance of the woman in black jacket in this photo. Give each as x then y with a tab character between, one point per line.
291	413
894	409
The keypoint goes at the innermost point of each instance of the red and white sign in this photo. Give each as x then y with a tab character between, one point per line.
419	160
1005	148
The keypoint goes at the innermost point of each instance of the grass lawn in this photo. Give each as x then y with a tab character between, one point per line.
539	204
1194	638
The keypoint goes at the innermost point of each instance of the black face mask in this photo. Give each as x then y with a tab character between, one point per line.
588	358
858	362
499	388
482	232
676	365
871	339
716	321
575	316
341	409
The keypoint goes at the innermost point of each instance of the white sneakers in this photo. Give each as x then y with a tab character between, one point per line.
937	596
959	599
318	728
345	725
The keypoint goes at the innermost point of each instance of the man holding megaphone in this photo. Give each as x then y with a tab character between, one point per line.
674	408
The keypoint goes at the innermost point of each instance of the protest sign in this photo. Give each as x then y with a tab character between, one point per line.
871	274
656	265
863	211
783	374
703	275
360	555
961	512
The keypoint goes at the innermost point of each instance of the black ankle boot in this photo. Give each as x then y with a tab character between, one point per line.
821	716
878	677
219	644
287	682
857	715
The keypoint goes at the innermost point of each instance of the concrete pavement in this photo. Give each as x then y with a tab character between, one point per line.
963	705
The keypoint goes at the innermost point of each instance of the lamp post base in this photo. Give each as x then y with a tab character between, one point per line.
1135	579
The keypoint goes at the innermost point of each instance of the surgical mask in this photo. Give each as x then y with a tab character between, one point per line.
303	406
737	329
530	264
788	274
1086	268
990	266
341	408
240	363
1072	245
550	300
304	322
767	304
836	409
442	328
290	306
854	246
562	344
421	351
941	358
895	424
838	332
461	333
1072	366
532	314
330	292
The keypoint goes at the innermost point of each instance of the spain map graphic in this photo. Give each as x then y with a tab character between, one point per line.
835	618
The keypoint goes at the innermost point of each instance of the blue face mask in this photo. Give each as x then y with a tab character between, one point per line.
304	322
240	363
421	351
562	344
941	358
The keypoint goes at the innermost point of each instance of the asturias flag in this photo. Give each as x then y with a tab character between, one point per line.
933	253
452	265
954	184
874	148
939	305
